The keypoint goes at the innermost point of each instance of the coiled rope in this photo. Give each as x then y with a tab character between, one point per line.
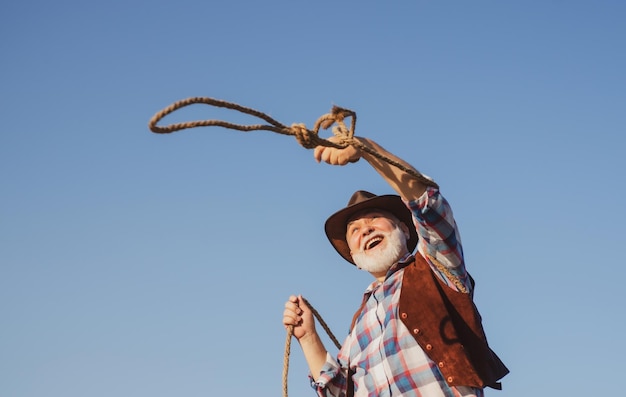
308	139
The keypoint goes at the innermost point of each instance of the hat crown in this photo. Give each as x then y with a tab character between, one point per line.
359	196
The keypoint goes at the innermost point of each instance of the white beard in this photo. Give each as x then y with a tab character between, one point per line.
381	261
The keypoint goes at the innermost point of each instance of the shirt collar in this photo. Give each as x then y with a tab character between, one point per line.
401	264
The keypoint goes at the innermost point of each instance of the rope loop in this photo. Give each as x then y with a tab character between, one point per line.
272	125
308	139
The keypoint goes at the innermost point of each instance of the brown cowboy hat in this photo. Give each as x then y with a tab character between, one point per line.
336	224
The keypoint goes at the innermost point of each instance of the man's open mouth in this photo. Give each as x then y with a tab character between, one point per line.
373	242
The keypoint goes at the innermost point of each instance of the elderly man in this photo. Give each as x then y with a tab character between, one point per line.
417	332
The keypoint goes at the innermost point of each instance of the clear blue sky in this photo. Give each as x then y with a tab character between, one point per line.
136	264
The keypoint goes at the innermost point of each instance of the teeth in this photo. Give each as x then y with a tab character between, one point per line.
373	242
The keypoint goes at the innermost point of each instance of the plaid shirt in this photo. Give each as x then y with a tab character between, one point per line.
387	359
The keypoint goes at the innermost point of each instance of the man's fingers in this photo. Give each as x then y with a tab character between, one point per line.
291	319
317	153
292	307
293	312
334	156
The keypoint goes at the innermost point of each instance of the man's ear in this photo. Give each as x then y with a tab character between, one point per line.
405	230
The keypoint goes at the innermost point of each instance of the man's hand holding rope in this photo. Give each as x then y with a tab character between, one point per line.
337	156
299	320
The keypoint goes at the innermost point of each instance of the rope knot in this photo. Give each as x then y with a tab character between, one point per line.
304	136
337	116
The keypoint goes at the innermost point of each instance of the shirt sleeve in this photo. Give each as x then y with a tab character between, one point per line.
332	379
439	237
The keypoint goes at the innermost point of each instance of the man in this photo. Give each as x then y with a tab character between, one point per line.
417	332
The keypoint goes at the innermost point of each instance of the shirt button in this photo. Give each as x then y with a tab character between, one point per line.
416	331
450	379
403	315
441	364
429	347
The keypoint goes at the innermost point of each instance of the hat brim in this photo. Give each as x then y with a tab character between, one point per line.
335	225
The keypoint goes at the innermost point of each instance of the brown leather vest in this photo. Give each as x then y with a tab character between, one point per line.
447	325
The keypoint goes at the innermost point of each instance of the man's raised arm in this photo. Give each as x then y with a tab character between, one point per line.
406	185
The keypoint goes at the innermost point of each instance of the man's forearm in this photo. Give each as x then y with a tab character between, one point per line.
407	185
314	353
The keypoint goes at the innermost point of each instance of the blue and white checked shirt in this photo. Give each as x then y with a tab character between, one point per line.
387	360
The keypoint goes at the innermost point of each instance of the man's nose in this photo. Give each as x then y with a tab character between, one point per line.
367	229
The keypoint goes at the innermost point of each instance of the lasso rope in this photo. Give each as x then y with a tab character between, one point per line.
288	344
305	137
308	139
